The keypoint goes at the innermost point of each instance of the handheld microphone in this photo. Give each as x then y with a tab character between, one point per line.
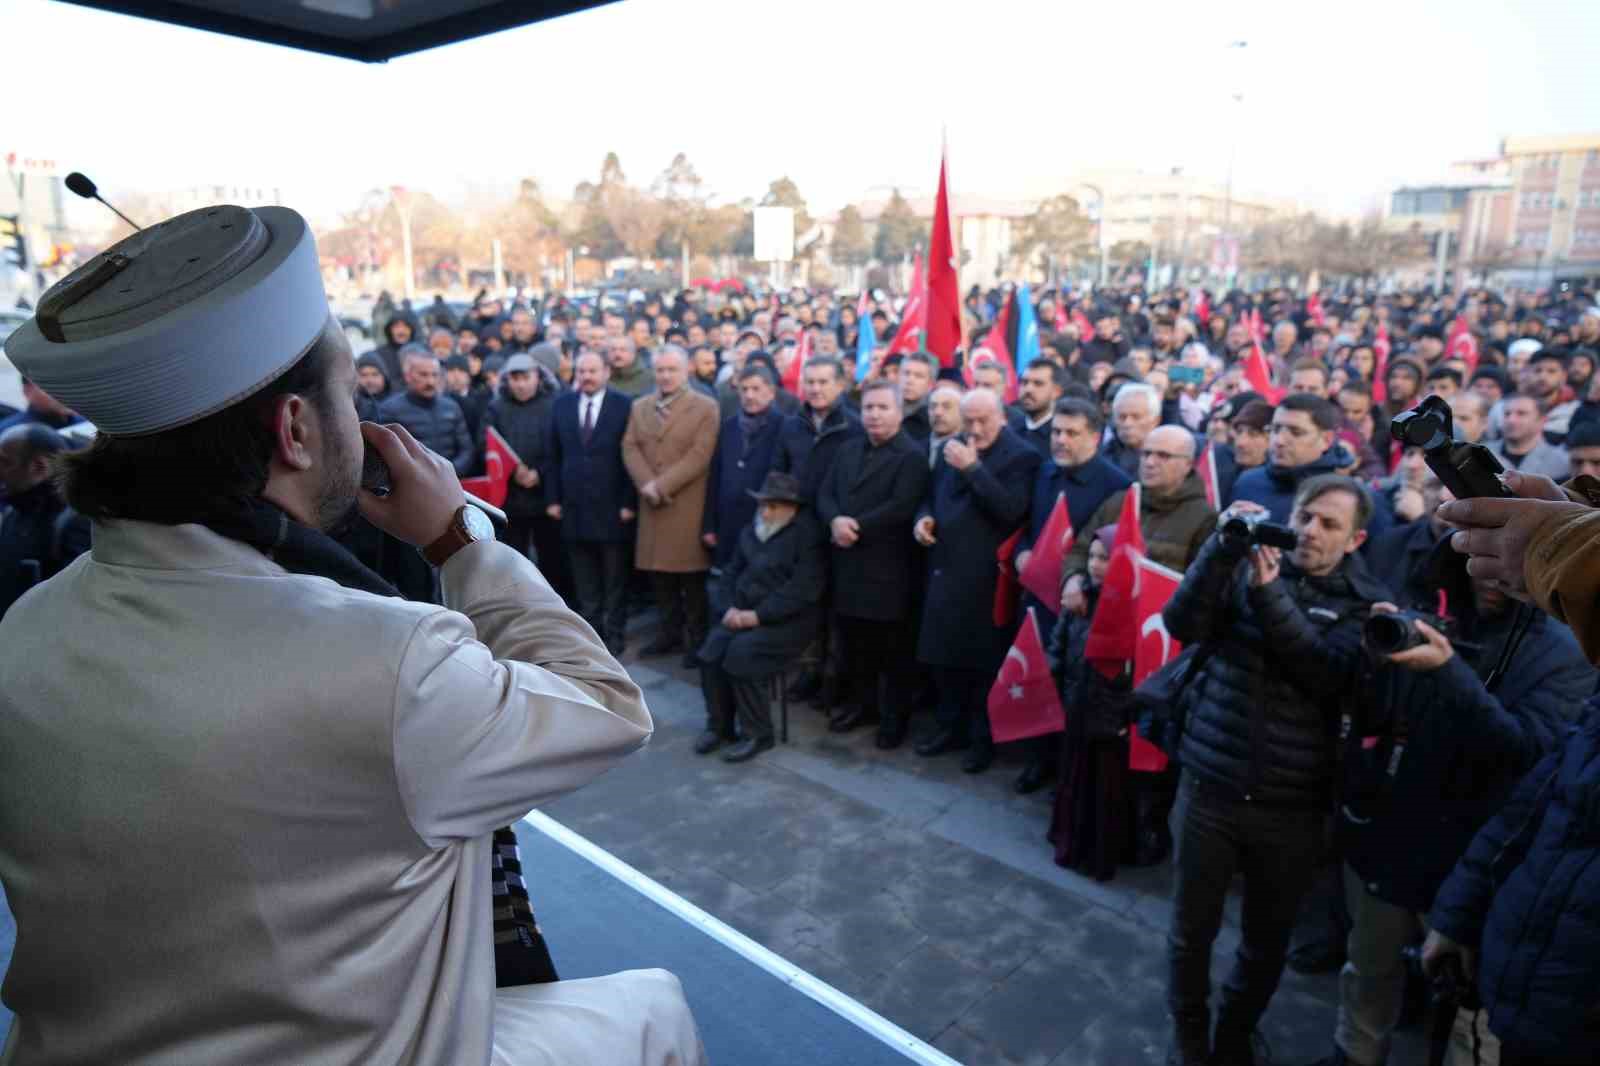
80	184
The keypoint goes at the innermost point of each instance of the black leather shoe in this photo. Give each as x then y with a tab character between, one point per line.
663	645
1032	779
747	749
939	743
978	760
849	719
707	742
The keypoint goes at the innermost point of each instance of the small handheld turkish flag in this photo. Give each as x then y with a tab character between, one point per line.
1023	701
1155	648
1205	468
1005	585
1112	631
1042	575
499	463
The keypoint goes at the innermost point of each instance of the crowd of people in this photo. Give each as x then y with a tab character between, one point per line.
794	513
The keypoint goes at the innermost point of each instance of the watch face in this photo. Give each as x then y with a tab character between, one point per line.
478	523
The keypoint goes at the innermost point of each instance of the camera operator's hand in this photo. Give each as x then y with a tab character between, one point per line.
1240	508
1439	947
1432	653
1265	564
424	494
1496	532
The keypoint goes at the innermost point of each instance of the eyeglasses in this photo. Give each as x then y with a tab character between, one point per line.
1165	457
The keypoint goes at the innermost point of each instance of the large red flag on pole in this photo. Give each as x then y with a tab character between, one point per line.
1023	701
1153	650
1258	375
944	293
1113	632
1000	348
913	329
1462	344
1042	575
1205	469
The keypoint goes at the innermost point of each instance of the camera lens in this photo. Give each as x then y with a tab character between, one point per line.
1389	633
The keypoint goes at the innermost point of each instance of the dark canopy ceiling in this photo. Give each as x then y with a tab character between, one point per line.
369	30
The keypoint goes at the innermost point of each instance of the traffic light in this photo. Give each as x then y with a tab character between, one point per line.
13	247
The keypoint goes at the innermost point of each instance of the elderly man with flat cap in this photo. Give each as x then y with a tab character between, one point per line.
286	781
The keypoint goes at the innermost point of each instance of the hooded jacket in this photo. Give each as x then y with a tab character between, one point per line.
389	351
526	427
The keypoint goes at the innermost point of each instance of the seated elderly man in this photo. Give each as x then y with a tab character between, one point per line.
766	603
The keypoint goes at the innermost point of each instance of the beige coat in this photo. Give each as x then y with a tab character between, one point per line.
245	814
676	455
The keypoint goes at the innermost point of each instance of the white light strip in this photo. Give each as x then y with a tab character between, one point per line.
876	1024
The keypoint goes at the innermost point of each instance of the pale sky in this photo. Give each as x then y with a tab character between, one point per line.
1342	100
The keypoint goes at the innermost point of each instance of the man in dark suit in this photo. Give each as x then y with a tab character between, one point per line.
919	371
745	448
588	490
765	603
1077	470
979	496
868	502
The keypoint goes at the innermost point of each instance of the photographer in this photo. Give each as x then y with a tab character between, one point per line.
1433	758
1258	746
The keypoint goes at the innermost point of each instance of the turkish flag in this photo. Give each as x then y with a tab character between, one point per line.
1023	701
1005	586
1042	575
1258	332
1205	468
1380	365
1085	330
1155	649
499	463
802	352
1113	632
1314	309
995	343
1258	375
1462	344
943	317
914	319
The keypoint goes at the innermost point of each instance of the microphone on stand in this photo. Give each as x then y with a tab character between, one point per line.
80	184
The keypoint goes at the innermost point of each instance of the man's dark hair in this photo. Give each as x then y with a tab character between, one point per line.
1314	488
1058	373
1440	373
926	359
176	475
828	361
1323	413
1089	412
1357	387
883	385
1583	435
756	370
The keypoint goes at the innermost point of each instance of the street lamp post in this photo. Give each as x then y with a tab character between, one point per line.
398	197
1233	152
1099	227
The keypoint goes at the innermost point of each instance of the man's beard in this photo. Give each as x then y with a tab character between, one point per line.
337	506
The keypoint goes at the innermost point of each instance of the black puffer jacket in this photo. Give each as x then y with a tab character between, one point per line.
526	427
1262	719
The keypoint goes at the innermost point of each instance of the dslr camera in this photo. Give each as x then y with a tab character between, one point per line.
1386	634
1254	529
1467	470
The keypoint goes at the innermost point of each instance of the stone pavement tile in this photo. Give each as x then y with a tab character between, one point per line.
1042	901
972	924
967	1049
1118	953
825	967
705	888
760	862
928	991
890	852
775	923
870	935
1036	1012
1123	1036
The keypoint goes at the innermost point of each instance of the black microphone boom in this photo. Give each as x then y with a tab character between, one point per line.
82	186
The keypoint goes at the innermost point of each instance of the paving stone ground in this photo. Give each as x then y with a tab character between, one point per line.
927	894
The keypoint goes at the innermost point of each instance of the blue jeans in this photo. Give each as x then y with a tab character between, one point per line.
1215	835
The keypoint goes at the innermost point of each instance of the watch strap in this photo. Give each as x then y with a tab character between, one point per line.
454	538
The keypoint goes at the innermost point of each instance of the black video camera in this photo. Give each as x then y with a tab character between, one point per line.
1254	529
1467	470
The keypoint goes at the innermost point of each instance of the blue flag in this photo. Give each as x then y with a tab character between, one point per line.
864	346
1027	331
